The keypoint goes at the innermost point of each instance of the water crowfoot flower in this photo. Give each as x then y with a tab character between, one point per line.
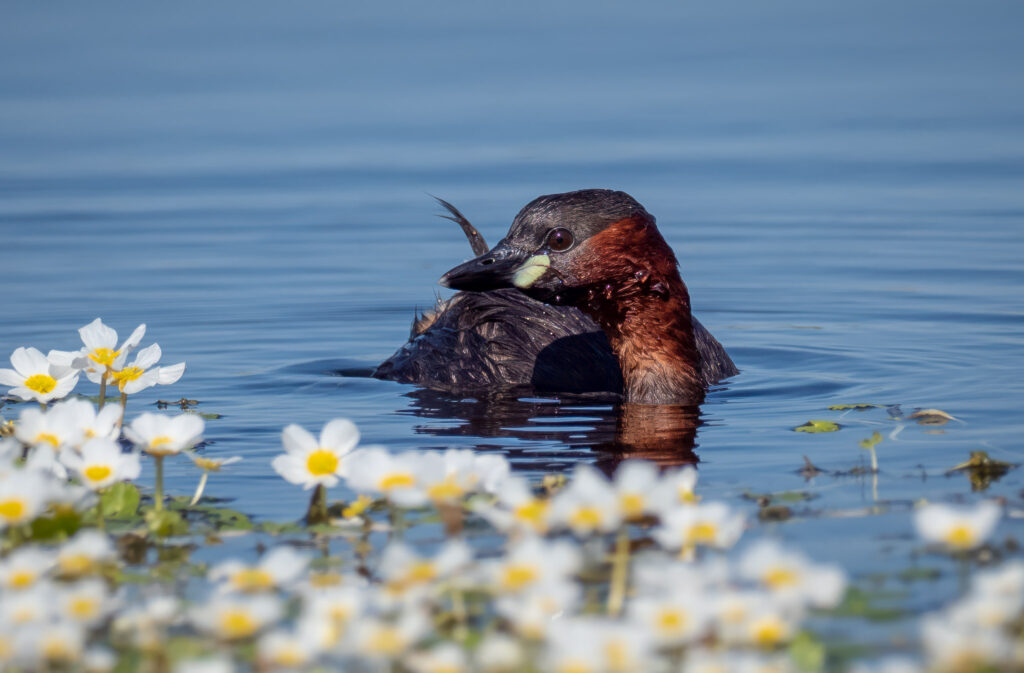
312	463
959	529
588	504
277	570
35	377
712	525
207	465
792	577
142	372
23	495
99	352
375	470
236	618
161	436
102	463
55	427
85	554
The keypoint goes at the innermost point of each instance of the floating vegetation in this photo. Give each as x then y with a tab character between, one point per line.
982	470
581	573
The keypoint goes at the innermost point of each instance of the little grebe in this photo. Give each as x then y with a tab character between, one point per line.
582	295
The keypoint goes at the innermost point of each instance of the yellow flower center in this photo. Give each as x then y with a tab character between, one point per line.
574	666
961	537
103	356
516	576
209	464
13	510
6	648
778	577
288	656
126	375
421	571
47	438
339	613
323	580
41	383
769	632
322	462
632	505
671	621
687	496
252	579
77	564
97	473
237	624
445	490
55	649
20	579
385	640
357	507
83	608
533	512
703	532
396	480
588	517
616	655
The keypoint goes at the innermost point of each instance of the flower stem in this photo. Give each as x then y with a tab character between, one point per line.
158	495
124	405
620	572
100	523
199	488
103	389
317	512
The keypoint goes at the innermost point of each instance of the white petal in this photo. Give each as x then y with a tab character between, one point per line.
297	439
97	335
29	361
149	379
9	377
64	386
132	341
189	428
170	374
148	356
340	434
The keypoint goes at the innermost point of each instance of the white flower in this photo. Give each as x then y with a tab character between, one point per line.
290	650
310	462
379	639
99	351
1007	580
951	646
212	664
160	435
209	464
676	488
55	427
531	612
680	615
442	658
91	424
277	569
588	504
34	377
404	571
142	372
395	476
59	642
99	659
23	494
635	483
713	525
235	618
24	567
791	576
86	602
613	646
85	553
959	528
30	606
763	621
518	509
888	665
101	463
531	563
498	653
337	607
448	476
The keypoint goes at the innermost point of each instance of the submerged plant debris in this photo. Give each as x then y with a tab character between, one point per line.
443	561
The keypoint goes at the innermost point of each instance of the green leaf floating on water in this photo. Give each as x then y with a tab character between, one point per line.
120	501
807	652
859	407
871	441
165	522
817	426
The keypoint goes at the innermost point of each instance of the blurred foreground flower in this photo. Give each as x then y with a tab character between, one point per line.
791	577
233	618
278	569
102	463
162	436
958	528
35	377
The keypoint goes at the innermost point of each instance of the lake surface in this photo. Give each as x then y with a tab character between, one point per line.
843	186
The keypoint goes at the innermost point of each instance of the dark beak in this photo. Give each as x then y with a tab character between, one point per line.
492	270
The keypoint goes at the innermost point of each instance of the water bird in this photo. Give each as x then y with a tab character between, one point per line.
582	295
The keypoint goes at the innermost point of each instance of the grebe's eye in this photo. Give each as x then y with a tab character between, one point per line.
560	239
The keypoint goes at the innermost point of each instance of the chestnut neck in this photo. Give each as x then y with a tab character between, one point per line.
634	292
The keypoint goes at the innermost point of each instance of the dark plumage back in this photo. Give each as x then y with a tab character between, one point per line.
482	341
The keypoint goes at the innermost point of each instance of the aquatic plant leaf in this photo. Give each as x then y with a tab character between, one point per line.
932	417
65	522
860	603
165	522
817	426
872	441
863	406
982	470
807	652
120	500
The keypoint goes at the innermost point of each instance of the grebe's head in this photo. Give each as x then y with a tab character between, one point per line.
562	246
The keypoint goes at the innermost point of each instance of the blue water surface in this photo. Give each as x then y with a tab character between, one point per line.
843	185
